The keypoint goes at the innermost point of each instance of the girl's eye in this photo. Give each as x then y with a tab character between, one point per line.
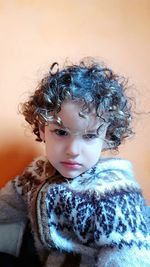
90	136
60	132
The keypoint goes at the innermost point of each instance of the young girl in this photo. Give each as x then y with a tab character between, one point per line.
84	210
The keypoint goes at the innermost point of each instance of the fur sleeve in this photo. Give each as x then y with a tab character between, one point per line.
13	217
12	206
16	194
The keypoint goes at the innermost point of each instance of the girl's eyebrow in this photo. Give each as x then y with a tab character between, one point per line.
91	131
67	128
58	123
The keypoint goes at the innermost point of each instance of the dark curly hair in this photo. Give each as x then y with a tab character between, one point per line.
91	83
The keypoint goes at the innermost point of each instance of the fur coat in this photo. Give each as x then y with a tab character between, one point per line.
97	219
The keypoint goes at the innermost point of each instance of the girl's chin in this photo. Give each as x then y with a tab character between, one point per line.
70	174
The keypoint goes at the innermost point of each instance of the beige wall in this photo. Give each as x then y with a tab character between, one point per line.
34	33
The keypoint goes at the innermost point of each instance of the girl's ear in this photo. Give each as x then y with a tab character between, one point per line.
42	132
105	146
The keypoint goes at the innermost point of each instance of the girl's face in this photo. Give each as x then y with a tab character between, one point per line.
76	146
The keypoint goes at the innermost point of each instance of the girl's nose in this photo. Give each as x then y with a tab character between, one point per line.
73	148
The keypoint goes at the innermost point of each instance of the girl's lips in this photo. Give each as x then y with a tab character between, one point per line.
71	165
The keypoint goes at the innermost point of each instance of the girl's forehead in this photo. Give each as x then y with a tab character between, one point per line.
75	108
71	116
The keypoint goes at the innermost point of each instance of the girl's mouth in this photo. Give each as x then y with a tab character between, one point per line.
71	165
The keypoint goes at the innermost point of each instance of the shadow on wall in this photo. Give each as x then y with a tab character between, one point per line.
14	157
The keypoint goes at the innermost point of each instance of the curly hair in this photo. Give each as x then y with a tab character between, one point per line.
89	82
